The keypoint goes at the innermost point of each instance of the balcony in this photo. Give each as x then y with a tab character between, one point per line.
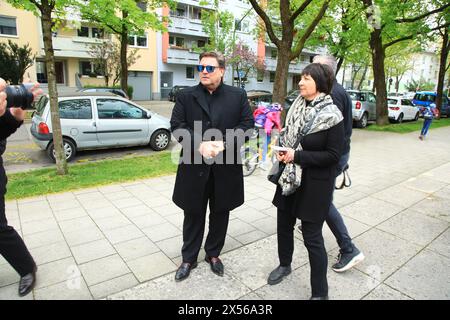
184	25
182	56
271	65
72	47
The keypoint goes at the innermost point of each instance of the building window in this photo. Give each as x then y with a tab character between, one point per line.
201	43
190	72
97	33
195	13
83	32
179	12
272	77
138	41
86	68
260	75
176	41
8	26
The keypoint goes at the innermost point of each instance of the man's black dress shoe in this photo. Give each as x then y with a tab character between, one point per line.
184	270
319	298
216	265
277	275
27	282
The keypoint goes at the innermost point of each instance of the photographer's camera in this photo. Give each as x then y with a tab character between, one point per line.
19	96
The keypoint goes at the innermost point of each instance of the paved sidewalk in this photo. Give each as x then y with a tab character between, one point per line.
123	241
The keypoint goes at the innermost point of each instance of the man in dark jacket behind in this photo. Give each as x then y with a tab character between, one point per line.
349	255
12	247
208	169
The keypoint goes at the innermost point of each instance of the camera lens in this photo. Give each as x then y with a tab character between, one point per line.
19	96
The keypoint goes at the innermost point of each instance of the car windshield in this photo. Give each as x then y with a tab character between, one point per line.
392	101
424	97
355	95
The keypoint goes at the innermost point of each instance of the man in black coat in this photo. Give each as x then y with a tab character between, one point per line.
349	254
12	247
209	120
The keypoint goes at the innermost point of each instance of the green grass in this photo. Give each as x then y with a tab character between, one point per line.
407	127
44	181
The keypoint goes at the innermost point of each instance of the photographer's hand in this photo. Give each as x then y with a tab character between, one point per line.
19	113
2	97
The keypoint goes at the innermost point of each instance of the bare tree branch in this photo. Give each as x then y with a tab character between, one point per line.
267	23
312	26
414	19
300	10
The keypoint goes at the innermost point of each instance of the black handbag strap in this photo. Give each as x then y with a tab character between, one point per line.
346	181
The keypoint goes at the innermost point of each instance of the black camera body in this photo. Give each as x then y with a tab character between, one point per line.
19	96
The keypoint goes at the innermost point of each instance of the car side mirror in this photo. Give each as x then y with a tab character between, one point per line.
148	115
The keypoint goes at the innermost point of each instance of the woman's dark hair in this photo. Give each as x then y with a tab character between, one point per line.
322	75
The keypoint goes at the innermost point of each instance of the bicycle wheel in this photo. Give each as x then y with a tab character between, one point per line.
249	158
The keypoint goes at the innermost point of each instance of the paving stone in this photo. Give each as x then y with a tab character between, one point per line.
52	252
92	251
370	211
112	286
161	232
251	237
51	273
8	275
384	292
441	244
148	220
113	196
237	227
110	223
105	212
171	247
424	184
267	225
136	211
401	195
414	227
39	226
65	204
43	238
127	202
70	214
151	266
200	284
167	210
75	289
77	224
10	293
259	204
136	248
122	234
424	277
435	207
104	269
250	215
384	253
78	237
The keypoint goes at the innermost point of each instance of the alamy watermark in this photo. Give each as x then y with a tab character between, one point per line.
374	16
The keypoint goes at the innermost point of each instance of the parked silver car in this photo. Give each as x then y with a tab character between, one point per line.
363	107
98	120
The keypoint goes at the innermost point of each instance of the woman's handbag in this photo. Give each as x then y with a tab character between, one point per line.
275	172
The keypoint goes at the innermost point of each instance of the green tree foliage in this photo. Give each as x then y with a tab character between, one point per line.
14	61
124	18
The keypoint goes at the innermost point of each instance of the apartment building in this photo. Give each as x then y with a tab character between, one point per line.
73	63
177	59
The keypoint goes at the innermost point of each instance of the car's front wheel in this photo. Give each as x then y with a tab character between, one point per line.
416	117
160	140
400	118
68	147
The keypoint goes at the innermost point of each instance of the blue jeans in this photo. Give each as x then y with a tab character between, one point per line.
426	126
334	219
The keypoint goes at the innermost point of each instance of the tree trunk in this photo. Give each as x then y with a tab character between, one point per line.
442	66
123	56
378	56
61	164
281	75
339	64
355	71
363	77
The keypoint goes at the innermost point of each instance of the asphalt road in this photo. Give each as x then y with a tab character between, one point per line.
22	154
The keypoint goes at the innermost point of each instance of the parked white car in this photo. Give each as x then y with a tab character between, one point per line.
401	109
98	120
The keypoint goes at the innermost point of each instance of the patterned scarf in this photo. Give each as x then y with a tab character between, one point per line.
301	120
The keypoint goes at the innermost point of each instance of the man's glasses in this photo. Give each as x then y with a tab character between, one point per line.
209	69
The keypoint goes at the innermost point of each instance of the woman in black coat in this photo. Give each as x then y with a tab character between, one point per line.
313	136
